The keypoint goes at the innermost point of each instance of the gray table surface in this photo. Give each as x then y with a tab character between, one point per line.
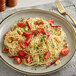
70	68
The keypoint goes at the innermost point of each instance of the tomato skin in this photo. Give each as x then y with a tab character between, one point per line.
7	33
28	40
26	34
47	33
5	50
55	26
50	21
22	44
47	55
28	25
52	62
18	59
28	59
21	54
39	22
29	18
21	24
65	51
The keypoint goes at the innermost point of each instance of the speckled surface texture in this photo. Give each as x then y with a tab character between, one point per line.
70	68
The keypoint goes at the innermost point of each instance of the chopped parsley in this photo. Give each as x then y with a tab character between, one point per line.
47	26
43	36
26	28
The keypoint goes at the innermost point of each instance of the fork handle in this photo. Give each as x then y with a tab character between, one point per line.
71	19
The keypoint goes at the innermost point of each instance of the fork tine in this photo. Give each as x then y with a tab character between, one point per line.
59	6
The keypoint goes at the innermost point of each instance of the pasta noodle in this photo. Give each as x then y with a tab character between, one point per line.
44	46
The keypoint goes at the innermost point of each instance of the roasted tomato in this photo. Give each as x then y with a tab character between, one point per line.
28	59
7	33
22	44
28	40
21	24
21	54
26	34
47	55
50	21
18	59
39	22
5	50
65	51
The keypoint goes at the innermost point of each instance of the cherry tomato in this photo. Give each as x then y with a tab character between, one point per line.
47	55
28	25
21	54
28	59
21	24
26	34
35	32
65	51
5	50
22	44
42	30
7	33
18	59
28	40
50	21
39	22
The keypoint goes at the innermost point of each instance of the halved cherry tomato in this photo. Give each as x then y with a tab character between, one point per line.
28	59
65	51
28	40
21	54
5	50
39	22
26	34
34	32
43	31
7	33
21	24
28	25
50	21
18	59
47	55
22	44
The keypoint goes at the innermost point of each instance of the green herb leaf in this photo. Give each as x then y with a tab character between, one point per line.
47	26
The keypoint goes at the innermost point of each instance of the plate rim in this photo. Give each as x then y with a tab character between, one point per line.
45	11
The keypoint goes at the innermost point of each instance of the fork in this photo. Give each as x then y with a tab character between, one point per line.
62	10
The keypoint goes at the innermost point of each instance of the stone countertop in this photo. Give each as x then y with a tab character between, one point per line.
70	68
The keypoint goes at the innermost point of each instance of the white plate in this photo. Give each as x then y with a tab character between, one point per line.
10	20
